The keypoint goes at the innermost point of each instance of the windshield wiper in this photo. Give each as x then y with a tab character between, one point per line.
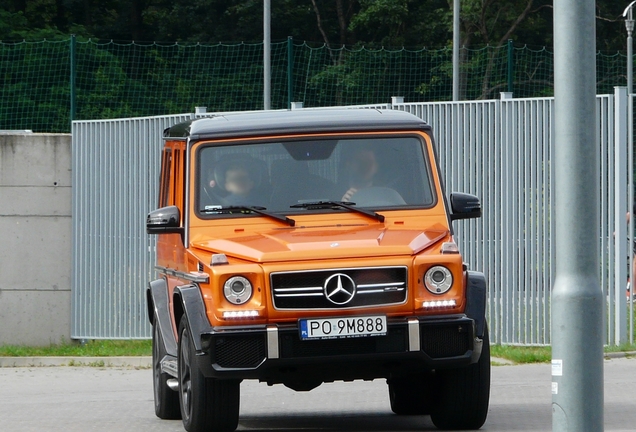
253	209
342	204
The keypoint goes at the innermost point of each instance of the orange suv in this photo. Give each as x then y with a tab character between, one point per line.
303	247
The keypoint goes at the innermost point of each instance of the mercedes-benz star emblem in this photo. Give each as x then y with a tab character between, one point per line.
339	289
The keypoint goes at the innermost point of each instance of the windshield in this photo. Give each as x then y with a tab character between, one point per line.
378	173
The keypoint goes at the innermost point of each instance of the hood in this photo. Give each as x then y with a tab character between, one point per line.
307	243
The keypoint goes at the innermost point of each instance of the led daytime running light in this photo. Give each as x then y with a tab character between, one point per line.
439	304
240	314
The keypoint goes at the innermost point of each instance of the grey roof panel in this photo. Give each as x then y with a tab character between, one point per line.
300	121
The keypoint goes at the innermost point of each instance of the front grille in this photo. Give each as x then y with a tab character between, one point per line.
241	351
372	286
445	340
291	346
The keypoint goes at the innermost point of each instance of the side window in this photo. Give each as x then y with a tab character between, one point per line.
171	186
166	169
177	180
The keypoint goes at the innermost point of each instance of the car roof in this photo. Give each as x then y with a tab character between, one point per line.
296	121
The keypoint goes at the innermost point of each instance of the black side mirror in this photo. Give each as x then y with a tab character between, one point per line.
464	206
166	220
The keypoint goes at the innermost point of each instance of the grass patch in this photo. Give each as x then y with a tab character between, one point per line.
93	348
541	354
620	348
522	354
114	348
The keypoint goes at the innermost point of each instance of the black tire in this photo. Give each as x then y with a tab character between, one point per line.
463	394
411	395
207	404
166	400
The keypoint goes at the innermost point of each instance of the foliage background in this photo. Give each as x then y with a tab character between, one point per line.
361	51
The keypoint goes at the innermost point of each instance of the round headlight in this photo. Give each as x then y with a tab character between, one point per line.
237	290
438	279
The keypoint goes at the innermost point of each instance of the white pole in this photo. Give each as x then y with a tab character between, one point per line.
629	25
621	192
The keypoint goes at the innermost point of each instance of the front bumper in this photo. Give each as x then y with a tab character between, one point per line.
276	354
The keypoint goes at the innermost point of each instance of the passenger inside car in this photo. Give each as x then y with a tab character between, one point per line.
361	169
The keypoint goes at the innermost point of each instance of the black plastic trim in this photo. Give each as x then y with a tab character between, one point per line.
339	367
194	311
476	290
157	298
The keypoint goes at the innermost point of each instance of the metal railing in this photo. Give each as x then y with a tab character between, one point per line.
500	150
115	167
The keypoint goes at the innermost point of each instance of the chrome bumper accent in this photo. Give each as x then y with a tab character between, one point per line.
173	384
272	342
414	334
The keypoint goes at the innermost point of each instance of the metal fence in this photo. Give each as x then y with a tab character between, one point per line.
500	150
48	83
115	171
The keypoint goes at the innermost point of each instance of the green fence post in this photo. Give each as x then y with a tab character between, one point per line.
72	78
511	59
290	71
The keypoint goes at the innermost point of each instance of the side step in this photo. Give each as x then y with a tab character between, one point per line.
169	366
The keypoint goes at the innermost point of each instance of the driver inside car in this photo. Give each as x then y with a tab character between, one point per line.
239	184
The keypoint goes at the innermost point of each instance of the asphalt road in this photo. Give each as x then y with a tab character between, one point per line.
120	399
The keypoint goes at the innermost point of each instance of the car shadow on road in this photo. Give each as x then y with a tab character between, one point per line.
529	417
357	421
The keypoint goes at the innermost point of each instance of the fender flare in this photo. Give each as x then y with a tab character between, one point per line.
476	291
157	302
188	302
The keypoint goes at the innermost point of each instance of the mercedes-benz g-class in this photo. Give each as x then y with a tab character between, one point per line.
309	246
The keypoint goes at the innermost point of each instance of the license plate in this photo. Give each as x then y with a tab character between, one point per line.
335	328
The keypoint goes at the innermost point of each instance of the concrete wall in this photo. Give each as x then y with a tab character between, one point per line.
35	238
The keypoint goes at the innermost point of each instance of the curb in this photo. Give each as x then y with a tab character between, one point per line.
498	361
132	361
145	362
623	354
